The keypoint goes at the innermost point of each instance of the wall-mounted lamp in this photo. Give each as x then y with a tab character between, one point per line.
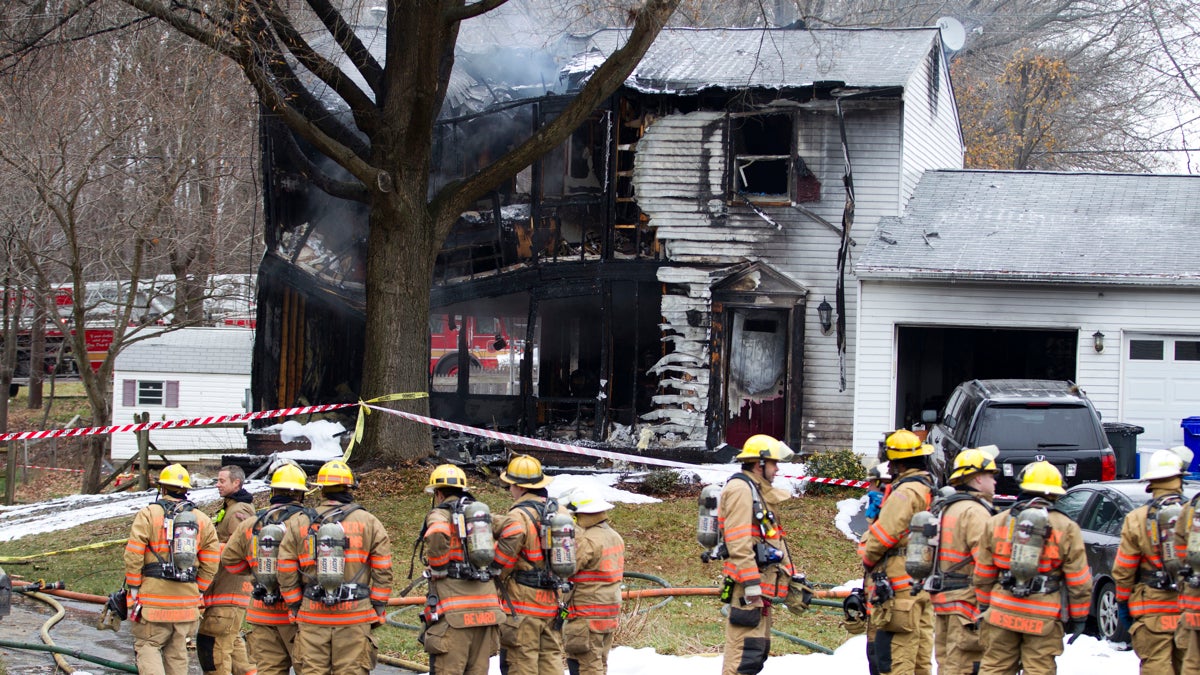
1098	341
825	315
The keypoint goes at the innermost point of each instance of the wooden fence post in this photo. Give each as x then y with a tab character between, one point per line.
143	448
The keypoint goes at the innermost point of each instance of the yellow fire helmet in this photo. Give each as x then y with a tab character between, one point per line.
447	475
525	471
904	444
762	446
176	476
289	477
335	472
970	462
1042	477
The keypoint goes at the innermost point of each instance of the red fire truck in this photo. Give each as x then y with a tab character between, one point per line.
488	343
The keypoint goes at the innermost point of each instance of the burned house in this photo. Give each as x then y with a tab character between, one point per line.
659	279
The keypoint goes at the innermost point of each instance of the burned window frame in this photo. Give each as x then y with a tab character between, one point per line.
800	185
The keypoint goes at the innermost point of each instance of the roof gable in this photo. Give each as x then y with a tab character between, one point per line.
1041	226
687	60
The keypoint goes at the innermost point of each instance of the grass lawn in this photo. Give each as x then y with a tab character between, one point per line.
659	539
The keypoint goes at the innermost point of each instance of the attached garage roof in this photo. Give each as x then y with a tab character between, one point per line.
216	351
1027	226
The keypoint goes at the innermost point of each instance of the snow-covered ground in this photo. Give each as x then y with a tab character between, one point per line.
1086	656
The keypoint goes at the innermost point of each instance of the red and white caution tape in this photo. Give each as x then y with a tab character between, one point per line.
173	424
581	450
49	468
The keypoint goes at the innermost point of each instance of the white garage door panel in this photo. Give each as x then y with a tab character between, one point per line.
1157	394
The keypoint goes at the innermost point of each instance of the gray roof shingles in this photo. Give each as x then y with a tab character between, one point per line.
692	59
1042	226
217	351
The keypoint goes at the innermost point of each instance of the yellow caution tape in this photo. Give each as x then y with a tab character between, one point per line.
363	411
37	556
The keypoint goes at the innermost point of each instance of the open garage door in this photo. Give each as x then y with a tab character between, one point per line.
1161	386
932	360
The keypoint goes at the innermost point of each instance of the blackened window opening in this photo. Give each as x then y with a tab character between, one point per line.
762	146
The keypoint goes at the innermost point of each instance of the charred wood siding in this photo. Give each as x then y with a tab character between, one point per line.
681	182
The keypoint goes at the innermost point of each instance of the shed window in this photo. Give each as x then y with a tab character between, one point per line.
159	393
765	167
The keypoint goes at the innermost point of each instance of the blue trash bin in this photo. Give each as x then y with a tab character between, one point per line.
1191	438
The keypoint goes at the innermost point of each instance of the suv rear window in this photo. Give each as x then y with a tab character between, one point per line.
1036	427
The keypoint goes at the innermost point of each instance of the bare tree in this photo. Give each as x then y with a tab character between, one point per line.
384	143
116	174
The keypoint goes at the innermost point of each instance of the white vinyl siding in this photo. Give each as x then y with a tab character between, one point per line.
926	133
1113	311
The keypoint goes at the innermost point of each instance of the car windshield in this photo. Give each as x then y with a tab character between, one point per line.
1036	426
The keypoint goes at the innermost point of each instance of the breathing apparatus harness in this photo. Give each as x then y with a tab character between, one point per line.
471	525
556	533
327	544
1191	559
265	537
1161	520
1028	530
881	590
180	530
764	520
923	556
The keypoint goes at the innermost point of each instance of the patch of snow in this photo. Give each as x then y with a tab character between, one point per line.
601	484
847	509
66	512
321	434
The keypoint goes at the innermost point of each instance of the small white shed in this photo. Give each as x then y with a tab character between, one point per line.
183	374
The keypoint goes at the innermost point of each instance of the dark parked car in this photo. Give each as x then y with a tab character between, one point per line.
1029	421
1100	510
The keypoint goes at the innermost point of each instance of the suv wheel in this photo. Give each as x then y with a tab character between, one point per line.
1104	611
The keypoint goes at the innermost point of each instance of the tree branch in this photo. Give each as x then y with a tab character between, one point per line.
458	195
348	40
470	11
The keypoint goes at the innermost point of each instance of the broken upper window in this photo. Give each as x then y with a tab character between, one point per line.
765	166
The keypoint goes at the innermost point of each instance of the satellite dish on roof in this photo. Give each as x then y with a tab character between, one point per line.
953	33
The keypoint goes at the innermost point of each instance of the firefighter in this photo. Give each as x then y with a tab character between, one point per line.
170	558
903	620
1187	552
462	614
1031	575
758	570
962	522
254	549
594	607
855	607
530	639
336	577
219	644
1145	568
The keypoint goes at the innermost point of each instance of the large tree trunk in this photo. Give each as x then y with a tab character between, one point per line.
401	250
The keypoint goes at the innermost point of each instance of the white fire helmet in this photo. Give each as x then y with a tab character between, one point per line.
584	500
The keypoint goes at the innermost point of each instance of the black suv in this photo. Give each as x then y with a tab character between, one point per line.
1029	420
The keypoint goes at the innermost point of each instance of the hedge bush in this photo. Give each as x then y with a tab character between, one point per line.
837	464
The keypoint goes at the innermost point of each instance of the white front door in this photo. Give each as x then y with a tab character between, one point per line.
1161	386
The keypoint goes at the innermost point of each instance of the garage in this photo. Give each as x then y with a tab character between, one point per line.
932	360
991	274
1160	386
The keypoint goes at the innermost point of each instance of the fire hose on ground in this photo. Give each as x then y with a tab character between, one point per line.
33	591
824	597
